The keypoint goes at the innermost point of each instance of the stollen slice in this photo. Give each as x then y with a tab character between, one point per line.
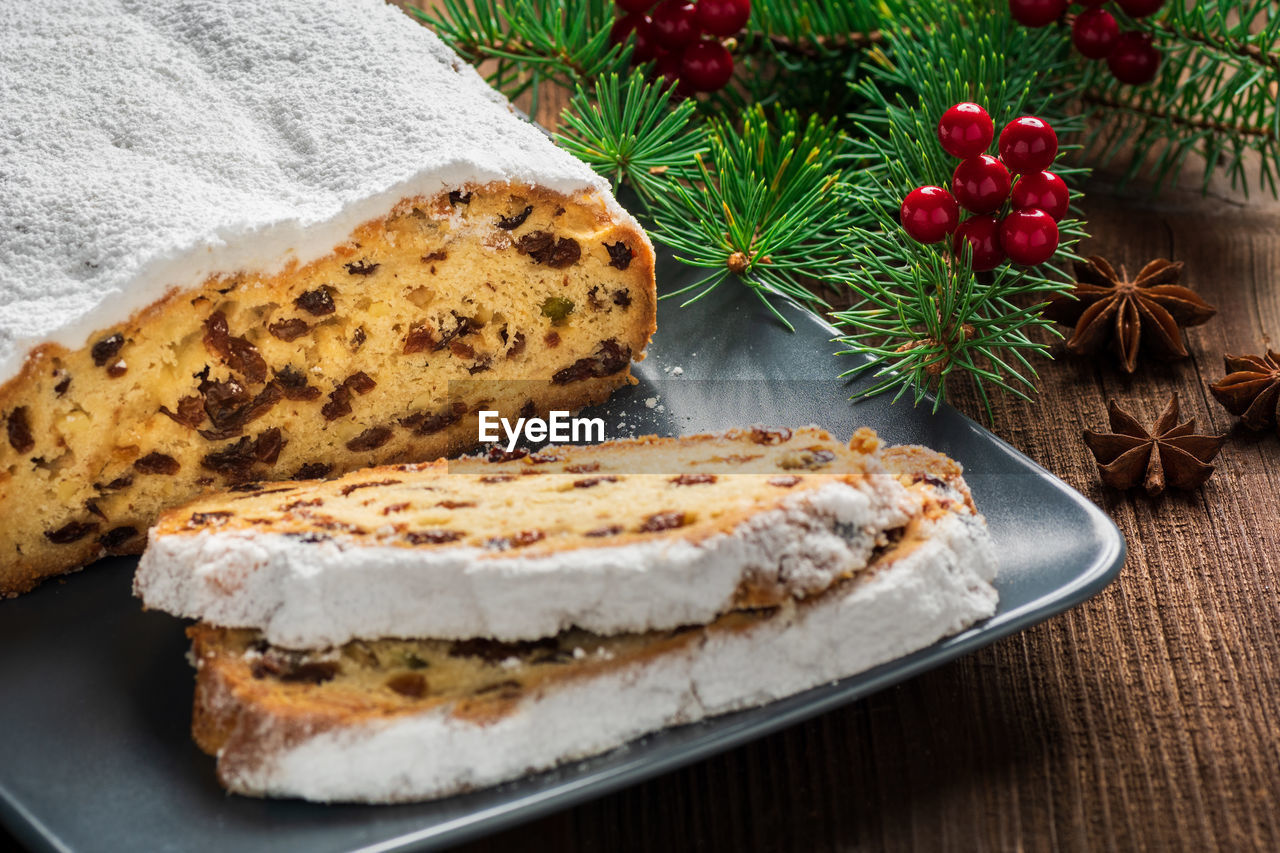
627	536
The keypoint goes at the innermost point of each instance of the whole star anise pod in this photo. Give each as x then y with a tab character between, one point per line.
1171	453
1251	389
1110	309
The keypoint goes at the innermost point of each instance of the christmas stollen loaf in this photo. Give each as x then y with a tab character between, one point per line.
256	240
624	598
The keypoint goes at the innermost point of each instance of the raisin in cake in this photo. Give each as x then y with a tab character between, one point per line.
257	240
631	535
405	719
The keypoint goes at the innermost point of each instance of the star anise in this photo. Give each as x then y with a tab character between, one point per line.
1251	389
1109	308
1171	453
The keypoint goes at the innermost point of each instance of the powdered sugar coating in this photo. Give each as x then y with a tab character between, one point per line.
149	144
934	590
316	594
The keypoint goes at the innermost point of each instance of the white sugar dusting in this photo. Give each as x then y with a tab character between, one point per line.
151	144
293	591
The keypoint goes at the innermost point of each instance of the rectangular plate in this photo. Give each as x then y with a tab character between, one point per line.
96	698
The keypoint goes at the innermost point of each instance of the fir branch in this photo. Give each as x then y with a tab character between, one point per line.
797	52
1225	28
925	318
1215	96
759	203
801	53
920	312
765	206
821	25
529	42
633	133
1191	123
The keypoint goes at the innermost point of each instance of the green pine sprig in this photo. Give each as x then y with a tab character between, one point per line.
766	206
800	54
819	25
920	312
761	202
927	317
1215	97
531	42
633	133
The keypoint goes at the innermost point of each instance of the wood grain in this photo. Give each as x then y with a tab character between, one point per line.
1146	719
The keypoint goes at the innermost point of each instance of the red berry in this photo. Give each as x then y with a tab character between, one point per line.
965	130
1134	59
982	233
674	25
1090	3
1029	237
645	49
1140	8
929	214
723	17
1042	191
980	184
1028	144
623	27
1037	13
1094	33
669	67
635	5
706	66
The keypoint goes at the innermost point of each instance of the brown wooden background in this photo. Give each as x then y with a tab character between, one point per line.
1146	719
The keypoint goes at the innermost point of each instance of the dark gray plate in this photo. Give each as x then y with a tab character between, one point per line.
96	695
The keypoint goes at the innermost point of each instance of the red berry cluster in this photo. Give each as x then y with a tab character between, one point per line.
1130	55
685	38
981	184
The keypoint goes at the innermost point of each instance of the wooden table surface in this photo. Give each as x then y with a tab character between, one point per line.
1148	718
